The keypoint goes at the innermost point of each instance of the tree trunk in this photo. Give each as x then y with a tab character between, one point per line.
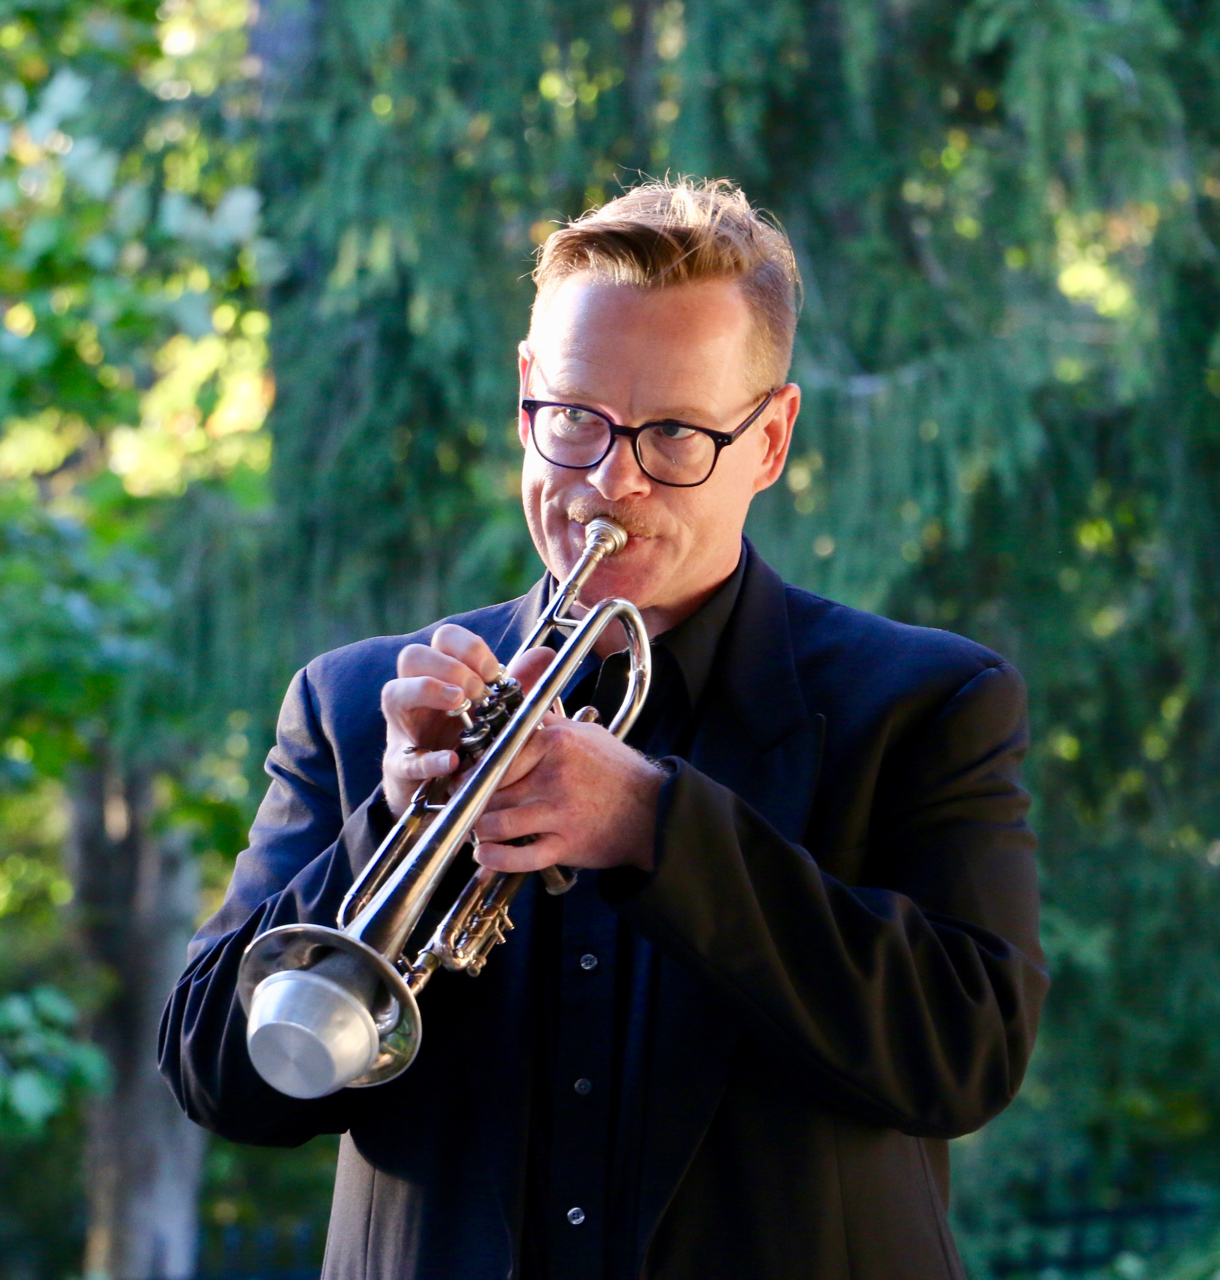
135	895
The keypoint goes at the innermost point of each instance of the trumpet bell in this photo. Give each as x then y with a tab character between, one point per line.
324	1011
309	1036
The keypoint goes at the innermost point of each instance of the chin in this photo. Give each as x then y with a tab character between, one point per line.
629	576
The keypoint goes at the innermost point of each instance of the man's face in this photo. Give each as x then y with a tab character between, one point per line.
639	356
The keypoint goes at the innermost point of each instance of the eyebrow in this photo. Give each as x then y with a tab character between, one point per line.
686	415
683	414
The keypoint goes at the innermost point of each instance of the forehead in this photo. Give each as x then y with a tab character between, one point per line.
593	336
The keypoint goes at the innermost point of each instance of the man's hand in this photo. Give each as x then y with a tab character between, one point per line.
432	681
589	798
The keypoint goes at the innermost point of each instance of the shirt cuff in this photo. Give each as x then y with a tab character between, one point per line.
619	884
380	819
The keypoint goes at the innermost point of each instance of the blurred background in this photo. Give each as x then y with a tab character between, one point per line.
262	271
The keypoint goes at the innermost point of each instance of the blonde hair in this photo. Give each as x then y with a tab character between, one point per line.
661	234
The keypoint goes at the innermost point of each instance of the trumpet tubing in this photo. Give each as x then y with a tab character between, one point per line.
329	1008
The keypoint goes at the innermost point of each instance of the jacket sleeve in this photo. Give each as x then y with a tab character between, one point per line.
298	867
912	1001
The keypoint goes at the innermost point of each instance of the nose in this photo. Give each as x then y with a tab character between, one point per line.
618	475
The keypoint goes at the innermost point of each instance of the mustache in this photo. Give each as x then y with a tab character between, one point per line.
584	508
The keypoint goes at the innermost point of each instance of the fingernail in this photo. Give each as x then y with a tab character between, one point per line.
456	693
439	758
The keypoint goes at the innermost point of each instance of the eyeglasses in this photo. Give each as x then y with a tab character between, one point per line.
672	453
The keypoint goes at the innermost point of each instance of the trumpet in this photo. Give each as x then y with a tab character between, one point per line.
329	1008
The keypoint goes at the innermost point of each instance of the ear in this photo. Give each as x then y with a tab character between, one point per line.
776	429
525	365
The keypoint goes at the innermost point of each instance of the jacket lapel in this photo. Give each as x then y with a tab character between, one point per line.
506	639
756	737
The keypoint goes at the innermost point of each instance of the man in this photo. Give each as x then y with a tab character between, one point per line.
802	949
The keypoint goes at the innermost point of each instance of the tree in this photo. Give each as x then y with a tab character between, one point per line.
1005	213
1005	216
132	391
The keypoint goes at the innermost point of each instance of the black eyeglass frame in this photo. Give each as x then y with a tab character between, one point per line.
721	439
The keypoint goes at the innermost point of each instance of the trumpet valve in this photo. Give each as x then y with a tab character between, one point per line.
462	713
484	720
485	933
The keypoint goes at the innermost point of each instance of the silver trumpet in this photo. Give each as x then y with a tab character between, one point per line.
328	1008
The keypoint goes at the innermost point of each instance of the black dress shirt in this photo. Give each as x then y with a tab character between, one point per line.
593	976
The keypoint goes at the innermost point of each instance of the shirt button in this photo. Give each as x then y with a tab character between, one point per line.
576	1216
588	962
583	1086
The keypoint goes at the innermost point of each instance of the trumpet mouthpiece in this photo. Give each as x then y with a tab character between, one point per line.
606	534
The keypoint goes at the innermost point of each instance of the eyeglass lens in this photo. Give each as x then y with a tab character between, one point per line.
669	452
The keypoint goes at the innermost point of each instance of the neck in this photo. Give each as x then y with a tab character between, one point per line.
657	618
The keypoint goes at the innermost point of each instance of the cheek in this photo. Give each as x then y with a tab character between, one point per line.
543	510
733	488
714	518
544	488
532	482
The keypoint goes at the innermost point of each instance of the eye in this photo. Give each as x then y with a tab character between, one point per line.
574	417
674	431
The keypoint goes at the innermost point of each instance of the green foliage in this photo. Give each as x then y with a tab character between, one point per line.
132	393
260	1194
1006	217
76	618
1006	214
132	362
75	625
120	228
1201	1263
42	1209
40	1058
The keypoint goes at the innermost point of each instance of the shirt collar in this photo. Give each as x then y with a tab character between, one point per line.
692	643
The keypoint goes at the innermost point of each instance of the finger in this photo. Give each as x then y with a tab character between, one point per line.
501	825
531	666
466	647
409	765
399	698
526	761
545	852
418	660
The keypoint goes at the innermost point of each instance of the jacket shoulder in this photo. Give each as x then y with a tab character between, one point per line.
333	705
858	645
374	659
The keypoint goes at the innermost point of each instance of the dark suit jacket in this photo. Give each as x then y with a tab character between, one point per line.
845	910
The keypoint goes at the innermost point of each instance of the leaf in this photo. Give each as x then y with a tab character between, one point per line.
33	1095
53	1006
16	1015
